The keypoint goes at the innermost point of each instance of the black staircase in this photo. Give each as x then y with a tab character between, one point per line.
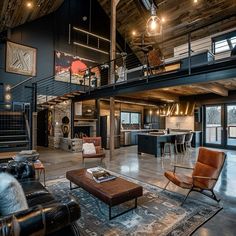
14	131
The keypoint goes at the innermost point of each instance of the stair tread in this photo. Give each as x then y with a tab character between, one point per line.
7	149
11	130
11	113
14	142
14	135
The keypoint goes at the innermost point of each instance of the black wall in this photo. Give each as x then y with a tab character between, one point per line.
51	33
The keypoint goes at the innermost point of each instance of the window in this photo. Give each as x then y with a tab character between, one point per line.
130	118
221	46
125	117
224	42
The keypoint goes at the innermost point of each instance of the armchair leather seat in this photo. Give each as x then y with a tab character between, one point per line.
181	180
99	150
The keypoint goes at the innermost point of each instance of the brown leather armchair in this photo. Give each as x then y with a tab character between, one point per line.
204	175
99	150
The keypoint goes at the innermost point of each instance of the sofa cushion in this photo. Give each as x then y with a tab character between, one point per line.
12	197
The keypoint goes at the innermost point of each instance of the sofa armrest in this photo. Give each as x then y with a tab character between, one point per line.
41	220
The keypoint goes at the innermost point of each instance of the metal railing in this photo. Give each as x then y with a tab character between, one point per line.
213	134
130	67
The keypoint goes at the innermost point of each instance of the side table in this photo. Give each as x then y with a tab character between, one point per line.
40	169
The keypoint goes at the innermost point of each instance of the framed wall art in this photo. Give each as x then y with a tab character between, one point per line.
66	63
20	59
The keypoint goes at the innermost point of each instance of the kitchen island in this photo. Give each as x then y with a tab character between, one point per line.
130	136
152	143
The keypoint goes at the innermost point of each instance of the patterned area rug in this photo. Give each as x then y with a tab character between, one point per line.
158	213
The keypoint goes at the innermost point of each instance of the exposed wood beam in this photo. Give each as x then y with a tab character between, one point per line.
111	79
51	103
213	88
162	95
141	11
76	93
57	100
135	101
63	98
69	95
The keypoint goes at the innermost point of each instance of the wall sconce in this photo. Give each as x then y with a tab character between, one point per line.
7	97
7	88
7	93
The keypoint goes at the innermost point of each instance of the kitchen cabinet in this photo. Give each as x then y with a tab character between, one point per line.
151	116
130	137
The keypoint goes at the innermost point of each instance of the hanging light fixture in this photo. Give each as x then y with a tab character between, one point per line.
154	24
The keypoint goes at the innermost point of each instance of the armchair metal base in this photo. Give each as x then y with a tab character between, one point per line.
202	191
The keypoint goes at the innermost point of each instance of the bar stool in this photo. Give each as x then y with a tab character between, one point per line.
180	142
188	141
167	149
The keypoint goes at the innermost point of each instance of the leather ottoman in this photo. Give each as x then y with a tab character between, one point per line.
113	192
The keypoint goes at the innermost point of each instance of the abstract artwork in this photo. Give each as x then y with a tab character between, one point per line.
74	69
20	59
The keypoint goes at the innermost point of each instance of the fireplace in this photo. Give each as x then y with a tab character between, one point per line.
82	131
85	128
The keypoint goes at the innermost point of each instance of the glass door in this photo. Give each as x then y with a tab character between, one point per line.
231	126
220	126
214	125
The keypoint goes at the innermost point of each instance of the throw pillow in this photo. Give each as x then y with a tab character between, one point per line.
89	148
12	197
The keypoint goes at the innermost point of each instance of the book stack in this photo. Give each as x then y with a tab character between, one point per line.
100	175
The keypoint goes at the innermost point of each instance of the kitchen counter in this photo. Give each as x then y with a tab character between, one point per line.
170	134
137	130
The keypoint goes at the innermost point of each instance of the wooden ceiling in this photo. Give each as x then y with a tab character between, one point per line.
16	12
181	17
172	94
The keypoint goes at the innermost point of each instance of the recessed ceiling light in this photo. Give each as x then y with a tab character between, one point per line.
29	4
195	1
133	32
163	19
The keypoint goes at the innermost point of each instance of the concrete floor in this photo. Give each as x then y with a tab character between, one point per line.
149	169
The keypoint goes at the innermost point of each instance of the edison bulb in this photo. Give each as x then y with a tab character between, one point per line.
153	25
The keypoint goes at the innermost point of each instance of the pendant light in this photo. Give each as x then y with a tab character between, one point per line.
154	26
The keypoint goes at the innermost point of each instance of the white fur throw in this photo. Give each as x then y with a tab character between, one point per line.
12	197
89	148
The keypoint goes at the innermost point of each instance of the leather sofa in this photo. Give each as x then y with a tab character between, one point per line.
46	215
